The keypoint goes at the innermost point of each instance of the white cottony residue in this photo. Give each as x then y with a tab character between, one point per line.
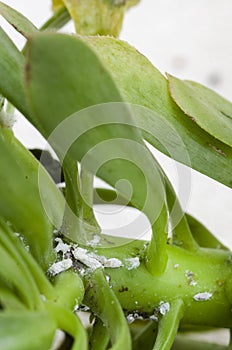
190	276
202	296
60	266
132	263
163	308
94	261
88	260
95	241
130	318
61	246
113	263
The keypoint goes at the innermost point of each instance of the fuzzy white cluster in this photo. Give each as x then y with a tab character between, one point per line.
91	260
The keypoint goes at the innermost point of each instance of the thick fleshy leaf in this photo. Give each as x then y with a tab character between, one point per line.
93	17
205	107
11	73
26	330
103	302
202	235
29	198
164	124
103	136
17	20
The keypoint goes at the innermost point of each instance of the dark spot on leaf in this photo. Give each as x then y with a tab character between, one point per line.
226	115
123	289
192	118
216	149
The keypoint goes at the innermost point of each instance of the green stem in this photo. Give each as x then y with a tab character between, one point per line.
72	226
181	232
168	326
87	191
58	20
156	252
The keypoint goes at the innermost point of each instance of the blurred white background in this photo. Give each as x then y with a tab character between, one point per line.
189	39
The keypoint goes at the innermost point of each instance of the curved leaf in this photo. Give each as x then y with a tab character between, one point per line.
142	84
11	73
168	326
104	303
202	235
17	20
29	198
103	137
26	330
209	110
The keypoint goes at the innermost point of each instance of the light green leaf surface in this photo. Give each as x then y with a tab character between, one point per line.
168	326
30	201
202	235
11	73
26	330
142	84
17	20
106	141
104	303
210	111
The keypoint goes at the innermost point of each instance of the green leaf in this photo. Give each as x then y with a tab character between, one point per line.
202	235
69	322
164	125
96	16
11	73
102	301
17	20
58	20
9	244
29	198
168	326
205	107
102	137
26	330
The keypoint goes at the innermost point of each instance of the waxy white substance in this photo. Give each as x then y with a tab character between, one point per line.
202	296
60	266
164	308
132	263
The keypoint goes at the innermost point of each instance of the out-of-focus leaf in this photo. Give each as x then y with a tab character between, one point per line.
52	165
102	137
11	73
58	20
202	235
57	4
96	17
205	107
17	20
142	84
26	330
